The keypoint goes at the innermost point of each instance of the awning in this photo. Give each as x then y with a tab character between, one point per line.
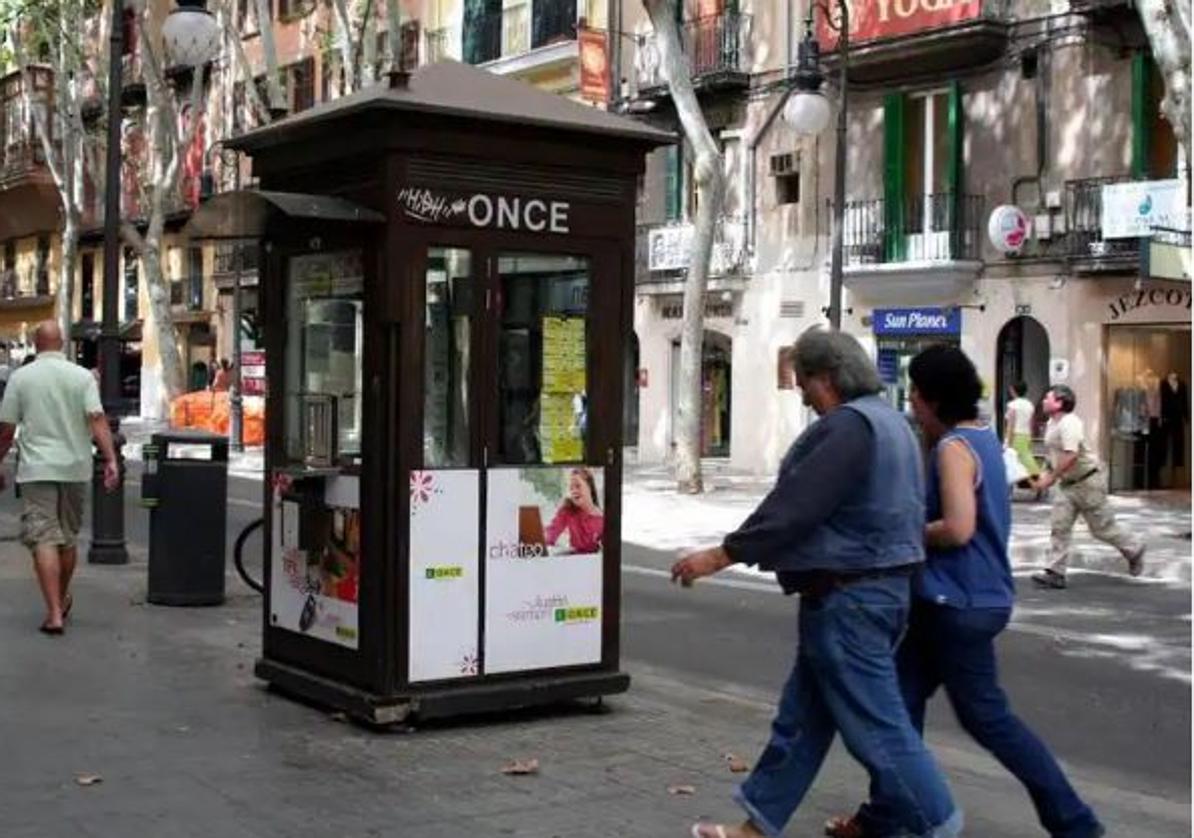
247	213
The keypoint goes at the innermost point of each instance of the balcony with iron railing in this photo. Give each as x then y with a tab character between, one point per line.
918	249
32	290
529	35
21	153
942	227
1086	247
715	48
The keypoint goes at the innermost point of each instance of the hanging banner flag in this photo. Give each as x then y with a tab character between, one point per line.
594	65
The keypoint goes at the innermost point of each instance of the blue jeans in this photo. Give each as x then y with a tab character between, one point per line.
844	680
955	648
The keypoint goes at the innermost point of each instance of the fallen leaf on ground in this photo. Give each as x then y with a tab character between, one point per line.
88	779
521	767
737	764
681	790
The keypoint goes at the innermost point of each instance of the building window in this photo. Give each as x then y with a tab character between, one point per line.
301	83
194	299
42	288
553	21
923	178
1154	144
246	17
291	9
132	285
238	109
8	288
87	289
674	184
481	32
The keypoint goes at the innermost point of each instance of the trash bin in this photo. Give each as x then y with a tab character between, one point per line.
185	488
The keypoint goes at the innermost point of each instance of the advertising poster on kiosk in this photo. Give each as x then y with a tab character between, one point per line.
444	574
543	568
316	559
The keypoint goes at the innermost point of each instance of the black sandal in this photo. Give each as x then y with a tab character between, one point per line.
46	628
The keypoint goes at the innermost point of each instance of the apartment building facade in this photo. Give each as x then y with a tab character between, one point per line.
953	113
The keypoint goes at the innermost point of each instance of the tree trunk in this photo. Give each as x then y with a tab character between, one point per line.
273	84
158	289
66	273
1168	31
347	53
710	181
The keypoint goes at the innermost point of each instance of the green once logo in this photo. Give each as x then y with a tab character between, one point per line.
560	615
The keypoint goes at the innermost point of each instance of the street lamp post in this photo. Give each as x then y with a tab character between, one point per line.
807	111
236	402
107	518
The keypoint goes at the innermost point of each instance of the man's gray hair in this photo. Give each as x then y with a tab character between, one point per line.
840	356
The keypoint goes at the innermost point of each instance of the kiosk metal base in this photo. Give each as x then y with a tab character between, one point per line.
439	702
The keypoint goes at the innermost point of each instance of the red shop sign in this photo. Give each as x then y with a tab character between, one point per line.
872	20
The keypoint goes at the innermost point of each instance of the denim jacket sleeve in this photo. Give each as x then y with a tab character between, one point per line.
824	464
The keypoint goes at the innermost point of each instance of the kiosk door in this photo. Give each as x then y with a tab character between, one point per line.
513	486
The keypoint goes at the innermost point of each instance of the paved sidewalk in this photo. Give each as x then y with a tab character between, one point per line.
161	704
655	516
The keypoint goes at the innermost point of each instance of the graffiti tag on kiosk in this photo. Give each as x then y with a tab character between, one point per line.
480	210
1124	303
425	205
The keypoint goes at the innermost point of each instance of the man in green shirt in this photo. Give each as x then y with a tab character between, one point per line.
56	406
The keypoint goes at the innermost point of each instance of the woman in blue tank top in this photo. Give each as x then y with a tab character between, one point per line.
963	599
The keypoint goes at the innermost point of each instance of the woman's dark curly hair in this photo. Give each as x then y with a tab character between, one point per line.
947	380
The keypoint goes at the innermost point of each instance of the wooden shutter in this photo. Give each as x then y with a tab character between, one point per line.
895	150
1141	111
955	179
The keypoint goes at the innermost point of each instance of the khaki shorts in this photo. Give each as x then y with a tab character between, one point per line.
52	513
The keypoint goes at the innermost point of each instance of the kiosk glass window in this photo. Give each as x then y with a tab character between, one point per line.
542	358
324	354
447	357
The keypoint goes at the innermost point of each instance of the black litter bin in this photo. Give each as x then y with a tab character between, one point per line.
185	488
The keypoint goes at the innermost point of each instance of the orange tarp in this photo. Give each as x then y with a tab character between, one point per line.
207	411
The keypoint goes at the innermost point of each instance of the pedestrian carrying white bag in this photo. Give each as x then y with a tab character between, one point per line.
1015	469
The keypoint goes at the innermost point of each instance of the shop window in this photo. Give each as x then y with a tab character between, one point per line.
447	357
324	352
132	285
42	288
87	288
194	287
542	362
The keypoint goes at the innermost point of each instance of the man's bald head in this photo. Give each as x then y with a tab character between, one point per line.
48	337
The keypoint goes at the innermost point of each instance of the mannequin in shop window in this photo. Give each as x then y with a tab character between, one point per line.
1173	413
1131	408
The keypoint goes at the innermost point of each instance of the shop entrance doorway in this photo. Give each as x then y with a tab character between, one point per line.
716	382
1023	352
1148	399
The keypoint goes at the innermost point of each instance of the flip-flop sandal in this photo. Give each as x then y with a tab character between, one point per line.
719	831
51	630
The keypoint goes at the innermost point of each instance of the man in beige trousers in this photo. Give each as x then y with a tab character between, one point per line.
1081	491
56	405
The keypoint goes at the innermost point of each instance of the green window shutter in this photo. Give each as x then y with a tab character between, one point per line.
1141	113
955	179
674	186
894	167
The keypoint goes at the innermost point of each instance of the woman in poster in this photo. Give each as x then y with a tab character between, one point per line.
579	515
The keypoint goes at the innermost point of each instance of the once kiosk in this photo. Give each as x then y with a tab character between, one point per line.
447	281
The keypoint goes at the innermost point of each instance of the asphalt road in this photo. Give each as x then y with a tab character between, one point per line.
1101	671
